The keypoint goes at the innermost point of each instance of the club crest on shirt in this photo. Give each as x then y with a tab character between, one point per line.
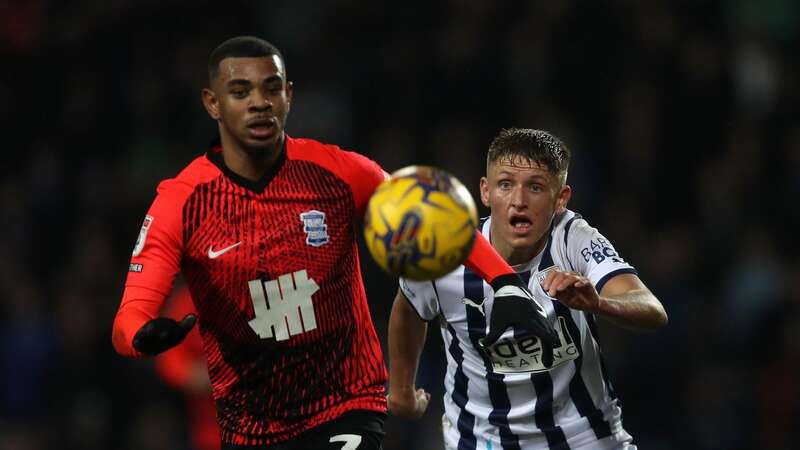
542	274
148	220
315	228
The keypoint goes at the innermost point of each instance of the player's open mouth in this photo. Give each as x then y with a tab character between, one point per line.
521	224
261	128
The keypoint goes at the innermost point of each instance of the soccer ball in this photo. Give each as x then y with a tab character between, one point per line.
420	223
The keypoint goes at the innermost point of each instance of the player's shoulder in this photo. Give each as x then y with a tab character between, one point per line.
313	150
329	156
570	226
450	282
199	171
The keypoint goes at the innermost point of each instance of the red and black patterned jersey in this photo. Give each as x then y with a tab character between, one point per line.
273	269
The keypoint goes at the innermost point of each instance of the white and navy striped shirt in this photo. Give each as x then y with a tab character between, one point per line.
507	399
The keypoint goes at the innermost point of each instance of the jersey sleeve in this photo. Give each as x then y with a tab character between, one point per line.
363	175
422	297
592	255
155	262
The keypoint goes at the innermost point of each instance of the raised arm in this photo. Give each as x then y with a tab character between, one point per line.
624	299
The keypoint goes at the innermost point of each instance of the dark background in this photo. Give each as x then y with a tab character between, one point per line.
681	115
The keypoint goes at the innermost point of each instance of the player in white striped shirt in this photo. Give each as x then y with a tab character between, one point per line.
499	395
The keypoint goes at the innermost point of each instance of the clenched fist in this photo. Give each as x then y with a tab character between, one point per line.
408	404
572	289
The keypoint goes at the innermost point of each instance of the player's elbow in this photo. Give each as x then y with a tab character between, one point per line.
657	322
122	343
118	341
657	318
663	319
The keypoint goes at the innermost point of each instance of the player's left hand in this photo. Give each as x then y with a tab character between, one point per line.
162	333
572	289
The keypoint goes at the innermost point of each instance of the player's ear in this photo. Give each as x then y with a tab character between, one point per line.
211	103
485	191
563	198
289	94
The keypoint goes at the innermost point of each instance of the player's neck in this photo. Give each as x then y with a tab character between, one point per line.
249	165
517	256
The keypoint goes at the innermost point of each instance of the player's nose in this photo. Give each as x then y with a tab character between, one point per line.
260	102
518	198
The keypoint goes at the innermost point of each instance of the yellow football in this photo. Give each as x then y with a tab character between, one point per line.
420	223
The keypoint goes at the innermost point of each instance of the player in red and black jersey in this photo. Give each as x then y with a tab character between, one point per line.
263	227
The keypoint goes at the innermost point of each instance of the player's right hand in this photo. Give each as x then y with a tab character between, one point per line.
514	306
409	405
162	333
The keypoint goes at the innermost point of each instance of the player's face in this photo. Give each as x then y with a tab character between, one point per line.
250	99
523	197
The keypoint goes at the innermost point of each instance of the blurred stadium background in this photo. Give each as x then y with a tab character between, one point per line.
682	116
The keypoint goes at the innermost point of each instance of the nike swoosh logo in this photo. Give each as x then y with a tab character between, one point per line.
214	255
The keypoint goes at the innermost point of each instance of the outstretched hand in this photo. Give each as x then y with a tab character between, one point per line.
514	306
161	334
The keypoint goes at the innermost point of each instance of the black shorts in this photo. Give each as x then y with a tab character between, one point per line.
354	430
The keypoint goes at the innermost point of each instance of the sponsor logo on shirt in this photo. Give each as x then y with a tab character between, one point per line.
599	250
474	304
511	355
287	308
135	268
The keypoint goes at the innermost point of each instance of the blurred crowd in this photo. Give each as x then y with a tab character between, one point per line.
682	116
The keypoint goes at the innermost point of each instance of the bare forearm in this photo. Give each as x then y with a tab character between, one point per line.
406	339
636	309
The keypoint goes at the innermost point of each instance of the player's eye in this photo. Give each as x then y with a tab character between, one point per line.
536	188
239	93
504	184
